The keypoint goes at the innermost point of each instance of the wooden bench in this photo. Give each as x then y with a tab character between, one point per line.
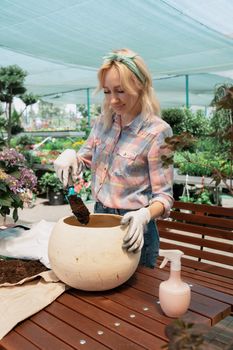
205	234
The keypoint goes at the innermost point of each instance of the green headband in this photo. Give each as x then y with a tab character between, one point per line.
128	61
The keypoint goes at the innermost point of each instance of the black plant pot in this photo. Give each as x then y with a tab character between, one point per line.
56	198
177	191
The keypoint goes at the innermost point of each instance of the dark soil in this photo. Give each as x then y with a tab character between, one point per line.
79	209
14	270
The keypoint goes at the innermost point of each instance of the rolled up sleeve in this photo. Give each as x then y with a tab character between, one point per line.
161	176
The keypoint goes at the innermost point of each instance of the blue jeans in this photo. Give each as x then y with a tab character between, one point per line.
150	248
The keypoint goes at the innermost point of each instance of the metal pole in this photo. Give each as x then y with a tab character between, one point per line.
187	90
206	111
88	107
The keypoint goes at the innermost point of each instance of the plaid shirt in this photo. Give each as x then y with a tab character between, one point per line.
127	171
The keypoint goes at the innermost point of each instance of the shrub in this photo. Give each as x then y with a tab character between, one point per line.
175	117
200	164
50	181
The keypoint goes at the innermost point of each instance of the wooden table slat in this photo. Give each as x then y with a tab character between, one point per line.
76	317
67	333
200	276
125	329
144	304
207	281
206	276
214	294
224	294
132	317
15	341
189	266
203	306
200	303
149	300
40	337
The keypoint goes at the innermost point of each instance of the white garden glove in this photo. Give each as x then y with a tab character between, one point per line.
67	164
137	220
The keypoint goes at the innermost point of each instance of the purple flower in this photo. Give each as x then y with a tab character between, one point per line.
10	157
27	179
17	180
12	182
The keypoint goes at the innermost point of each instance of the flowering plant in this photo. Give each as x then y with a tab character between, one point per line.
83	185
16	181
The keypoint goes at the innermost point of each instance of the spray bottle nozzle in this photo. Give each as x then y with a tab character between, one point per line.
164	263
173	256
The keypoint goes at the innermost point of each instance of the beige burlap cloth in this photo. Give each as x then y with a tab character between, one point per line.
21	300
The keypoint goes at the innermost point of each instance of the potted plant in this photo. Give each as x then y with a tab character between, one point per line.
52	186
83	185
202	196
17	182
215	161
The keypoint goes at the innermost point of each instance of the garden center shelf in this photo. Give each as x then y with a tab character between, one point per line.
60	133
197	180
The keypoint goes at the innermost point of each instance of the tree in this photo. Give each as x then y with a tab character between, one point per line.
12	85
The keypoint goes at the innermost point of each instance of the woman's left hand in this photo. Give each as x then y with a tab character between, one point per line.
137	220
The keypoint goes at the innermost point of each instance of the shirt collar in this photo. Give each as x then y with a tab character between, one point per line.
134	126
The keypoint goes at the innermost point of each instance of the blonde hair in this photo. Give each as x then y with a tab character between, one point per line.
130	83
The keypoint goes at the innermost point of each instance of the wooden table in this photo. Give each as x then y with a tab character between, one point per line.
126	318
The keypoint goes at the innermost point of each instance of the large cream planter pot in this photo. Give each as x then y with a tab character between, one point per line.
90	257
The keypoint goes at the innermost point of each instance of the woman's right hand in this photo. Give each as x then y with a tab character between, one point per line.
67	164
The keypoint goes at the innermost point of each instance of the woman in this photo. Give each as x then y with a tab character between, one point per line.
124	152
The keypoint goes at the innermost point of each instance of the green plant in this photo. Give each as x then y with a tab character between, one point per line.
219	123
85	127
31	159
175	117
16	182
16	127
50	182
202	196
223	100
196	123
24	140
186	199
83	185
86	119
219	167
184	120
200	163
12	85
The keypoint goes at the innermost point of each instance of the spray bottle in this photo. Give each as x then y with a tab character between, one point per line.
174	294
